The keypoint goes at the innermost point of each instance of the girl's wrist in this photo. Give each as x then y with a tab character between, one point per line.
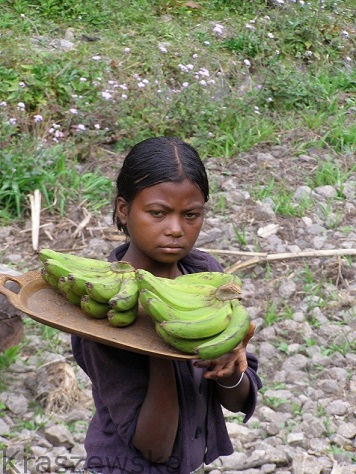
232	384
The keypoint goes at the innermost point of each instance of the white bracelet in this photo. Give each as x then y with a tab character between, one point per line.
232	386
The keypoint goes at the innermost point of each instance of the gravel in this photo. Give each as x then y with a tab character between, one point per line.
304	310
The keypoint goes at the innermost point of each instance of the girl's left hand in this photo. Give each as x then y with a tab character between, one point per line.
226	365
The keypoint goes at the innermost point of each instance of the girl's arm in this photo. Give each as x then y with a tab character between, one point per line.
157	421
233	385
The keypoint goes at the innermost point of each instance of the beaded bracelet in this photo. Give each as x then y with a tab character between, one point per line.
232	386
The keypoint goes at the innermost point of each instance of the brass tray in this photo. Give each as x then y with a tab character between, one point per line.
47	306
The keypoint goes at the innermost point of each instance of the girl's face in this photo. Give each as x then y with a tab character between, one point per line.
163	222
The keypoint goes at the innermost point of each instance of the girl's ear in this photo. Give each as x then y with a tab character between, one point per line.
122	209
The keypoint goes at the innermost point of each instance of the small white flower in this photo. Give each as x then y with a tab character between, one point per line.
141	84
3	104
123	96
127	50
202	82
269	99
51	130
270	35
218	30
195	56
56	126
22	84
345	34
185	84
247	62
301	2
97	126
204	72
277	52
308	54
21	106
96	58
81	127
37	118
106	95
207	43
83	79
123	87
163	49
146	81
249	26
12	121
211	81
73	111
58	134
23	15
348	59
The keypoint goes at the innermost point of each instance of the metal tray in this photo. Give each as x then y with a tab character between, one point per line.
47	306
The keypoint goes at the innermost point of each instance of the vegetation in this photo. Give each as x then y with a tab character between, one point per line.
226	76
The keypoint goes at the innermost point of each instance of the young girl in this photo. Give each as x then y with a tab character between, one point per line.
156	415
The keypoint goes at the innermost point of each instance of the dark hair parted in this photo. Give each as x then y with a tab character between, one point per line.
158	160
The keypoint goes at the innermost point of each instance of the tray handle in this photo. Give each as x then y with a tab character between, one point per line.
21	280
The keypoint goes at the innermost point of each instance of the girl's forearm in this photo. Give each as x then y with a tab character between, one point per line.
234	398
157	422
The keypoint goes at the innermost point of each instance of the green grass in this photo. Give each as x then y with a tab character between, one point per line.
164	67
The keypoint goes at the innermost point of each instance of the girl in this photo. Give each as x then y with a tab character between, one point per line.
156	415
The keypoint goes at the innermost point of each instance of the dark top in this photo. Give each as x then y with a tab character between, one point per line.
119	381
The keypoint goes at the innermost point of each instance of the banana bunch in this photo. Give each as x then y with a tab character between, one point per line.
102	289
196	313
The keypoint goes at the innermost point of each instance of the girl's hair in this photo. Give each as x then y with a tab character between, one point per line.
157	160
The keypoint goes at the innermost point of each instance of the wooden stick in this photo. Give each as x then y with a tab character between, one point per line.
235	252
35	201
287	256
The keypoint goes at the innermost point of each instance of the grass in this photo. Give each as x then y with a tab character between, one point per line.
225	76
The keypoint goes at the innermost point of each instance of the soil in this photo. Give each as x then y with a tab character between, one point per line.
304	308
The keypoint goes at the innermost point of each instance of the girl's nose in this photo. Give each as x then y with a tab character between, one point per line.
174	227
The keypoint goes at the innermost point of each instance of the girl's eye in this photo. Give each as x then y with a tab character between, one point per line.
192	215
157	213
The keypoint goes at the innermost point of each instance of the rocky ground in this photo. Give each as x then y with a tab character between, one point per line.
304	309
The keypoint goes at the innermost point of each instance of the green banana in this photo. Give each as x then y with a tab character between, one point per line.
65	289
50	279
187	346
213	324
175	294
127	297
75	261
121	319
57	269
79	282
160	311
94	308
121	266
209	278
228	339
103	291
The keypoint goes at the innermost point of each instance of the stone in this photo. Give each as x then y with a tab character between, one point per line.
59	435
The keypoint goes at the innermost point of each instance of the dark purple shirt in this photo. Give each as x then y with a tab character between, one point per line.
119	382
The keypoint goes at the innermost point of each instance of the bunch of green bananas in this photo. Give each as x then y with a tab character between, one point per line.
102	289
197	313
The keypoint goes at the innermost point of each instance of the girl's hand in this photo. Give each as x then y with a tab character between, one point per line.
226	365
